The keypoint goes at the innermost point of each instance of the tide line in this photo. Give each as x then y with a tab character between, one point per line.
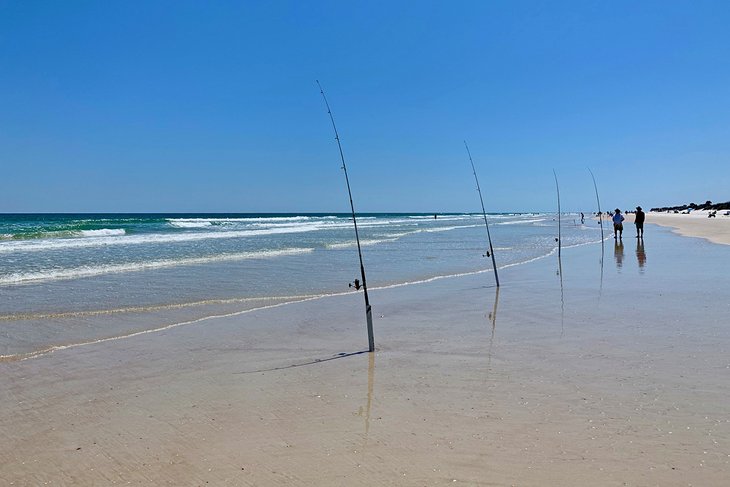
55	348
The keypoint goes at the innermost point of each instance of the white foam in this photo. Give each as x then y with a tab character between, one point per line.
190	223
277	219
103	232
254	227
446	229
138	239
353	243
93	271
517	222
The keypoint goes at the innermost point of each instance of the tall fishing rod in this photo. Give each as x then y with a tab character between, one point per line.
598	202
484	212
368	308
560	237
560	261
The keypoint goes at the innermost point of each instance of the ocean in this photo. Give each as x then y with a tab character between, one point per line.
69	279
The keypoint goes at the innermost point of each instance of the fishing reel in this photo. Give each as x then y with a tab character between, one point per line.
356	284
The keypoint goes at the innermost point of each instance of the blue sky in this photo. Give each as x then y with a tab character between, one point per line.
213	106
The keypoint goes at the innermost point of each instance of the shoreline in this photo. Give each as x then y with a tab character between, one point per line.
198	315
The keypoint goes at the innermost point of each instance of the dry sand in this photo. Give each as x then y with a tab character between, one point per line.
621	378
695	224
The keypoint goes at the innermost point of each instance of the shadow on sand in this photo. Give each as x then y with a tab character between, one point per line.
304	364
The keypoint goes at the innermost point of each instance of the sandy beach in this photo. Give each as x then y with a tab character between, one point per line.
695	224
620	377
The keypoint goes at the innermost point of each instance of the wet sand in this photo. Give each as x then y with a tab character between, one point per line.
620	378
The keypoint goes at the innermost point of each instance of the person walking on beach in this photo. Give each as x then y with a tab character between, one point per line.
618	225
639	222
582	218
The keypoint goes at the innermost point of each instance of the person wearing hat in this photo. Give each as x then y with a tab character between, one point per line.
618	225
639	222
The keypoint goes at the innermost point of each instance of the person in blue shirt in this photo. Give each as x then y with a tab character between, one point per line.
618	225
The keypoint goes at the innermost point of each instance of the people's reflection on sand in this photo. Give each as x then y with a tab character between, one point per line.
618	253
640	254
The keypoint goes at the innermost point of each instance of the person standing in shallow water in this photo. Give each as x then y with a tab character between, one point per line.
618	224
639	222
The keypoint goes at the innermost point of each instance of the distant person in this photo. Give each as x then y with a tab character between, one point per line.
639	222
582	218
618	224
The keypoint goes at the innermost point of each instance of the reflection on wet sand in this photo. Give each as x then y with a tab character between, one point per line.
562	297
640	254
618	253
493	318
603	255
368	406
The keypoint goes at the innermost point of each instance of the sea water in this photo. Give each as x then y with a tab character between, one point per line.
74	278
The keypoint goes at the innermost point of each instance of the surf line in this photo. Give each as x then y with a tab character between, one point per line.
54	348
368	308
23	356
489	237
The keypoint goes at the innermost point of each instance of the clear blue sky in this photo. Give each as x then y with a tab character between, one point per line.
212	106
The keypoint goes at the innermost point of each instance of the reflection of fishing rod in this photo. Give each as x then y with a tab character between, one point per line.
562	297
493	317
484	212
600	221
560	261
368	309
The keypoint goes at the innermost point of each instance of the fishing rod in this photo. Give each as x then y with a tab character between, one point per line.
598	201
560	238
560	262
484	212
368	308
